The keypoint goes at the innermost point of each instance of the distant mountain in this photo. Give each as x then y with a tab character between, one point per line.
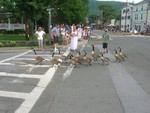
93	6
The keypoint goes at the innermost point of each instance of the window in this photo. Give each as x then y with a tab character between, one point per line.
141	16
128	17
136	16
142	8
136	8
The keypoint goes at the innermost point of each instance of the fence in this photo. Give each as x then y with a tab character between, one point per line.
6	26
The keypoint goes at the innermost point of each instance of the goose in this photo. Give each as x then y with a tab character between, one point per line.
86	59
104	59
55	61
122	54
80	57
94	55
64	57
73	60
38	58
117	56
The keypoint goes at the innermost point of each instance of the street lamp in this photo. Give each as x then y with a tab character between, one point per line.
49	22
8	14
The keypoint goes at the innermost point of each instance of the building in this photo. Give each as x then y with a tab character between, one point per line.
140	16
126	18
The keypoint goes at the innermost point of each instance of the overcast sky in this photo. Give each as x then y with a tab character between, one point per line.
135	1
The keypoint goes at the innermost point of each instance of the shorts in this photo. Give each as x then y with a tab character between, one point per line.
55	39
105	45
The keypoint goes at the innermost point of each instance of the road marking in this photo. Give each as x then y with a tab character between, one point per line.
15	56
13	94
68	72
71	67
23	64
133	98
20	75
31	99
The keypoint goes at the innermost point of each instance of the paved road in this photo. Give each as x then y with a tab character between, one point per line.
117	88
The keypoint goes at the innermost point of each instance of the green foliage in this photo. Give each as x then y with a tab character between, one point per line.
71	13
65	11
1	44
109	11
12	37
6	44
12	43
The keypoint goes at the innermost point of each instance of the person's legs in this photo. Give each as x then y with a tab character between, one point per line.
104	47
55	43
41	44
44	43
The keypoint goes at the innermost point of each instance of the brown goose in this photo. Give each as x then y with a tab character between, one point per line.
86	59
80	57
117	56
104	59
122	54
73	60
94	55
38	58
55	61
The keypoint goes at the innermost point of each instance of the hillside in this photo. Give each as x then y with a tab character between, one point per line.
93	5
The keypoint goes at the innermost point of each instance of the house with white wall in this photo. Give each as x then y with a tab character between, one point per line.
140	15
126	18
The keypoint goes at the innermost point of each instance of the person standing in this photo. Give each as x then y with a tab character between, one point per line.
40	34
74	39
55	32
80	31
105	39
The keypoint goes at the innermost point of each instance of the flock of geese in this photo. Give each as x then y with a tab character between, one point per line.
82	58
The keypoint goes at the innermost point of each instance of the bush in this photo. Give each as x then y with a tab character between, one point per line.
1	44
7	44
12	43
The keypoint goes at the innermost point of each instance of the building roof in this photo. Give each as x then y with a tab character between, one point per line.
144	1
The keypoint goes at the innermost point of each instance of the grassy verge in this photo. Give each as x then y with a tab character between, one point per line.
13	37
18	40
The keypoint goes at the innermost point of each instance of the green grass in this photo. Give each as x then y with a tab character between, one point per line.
18	37
12	37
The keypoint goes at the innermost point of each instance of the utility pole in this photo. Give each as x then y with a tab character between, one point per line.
126	15
8	14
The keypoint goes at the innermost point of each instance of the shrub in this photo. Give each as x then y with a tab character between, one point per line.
1	44
12	43
7	44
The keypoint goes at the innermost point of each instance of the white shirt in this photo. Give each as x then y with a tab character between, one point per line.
40	35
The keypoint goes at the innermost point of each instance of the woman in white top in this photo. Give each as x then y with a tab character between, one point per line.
74	39
80	31
39	34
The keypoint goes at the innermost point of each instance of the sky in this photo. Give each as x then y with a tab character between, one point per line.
135	1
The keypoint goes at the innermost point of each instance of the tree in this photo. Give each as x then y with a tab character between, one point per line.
109	12
65	11
70	11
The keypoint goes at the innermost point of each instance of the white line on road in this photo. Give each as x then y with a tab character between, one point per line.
133	98
13	94
71	67
31	99
68	72
20	75
15	56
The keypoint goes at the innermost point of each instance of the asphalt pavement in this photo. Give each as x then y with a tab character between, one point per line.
28	87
